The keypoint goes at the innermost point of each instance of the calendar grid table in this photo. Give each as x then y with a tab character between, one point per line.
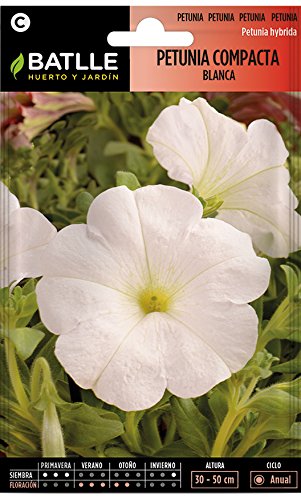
102	475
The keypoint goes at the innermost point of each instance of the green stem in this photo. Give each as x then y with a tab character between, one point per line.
33	193
171	431
231	421
24	440
233	418
225	432
242	448
71	164
155	175
16	382
115	129
131	437
150	428
279	316
15	375
40	367
249	440
248	391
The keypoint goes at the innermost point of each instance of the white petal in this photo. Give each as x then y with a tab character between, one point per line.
226	333
236	279
226	138
134	378
8	203
264	207
263	151
179	140
192	366
93	321
83	301
116	262
113	248
29	234
195	143
267	144
168	217
179	244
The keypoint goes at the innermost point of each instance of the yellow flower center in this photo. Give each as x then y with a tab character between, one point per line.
154	300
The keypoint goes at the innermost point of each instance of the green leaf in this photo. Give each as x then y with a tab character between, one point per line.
193	427
17	65
127	179
274	427
292	280
176	449
25	340
118	452
29	286
117	148
85	426
259	366
47	352
15	415
295	431
292	366
13	436
6	390
279	400
4	296
292	388
83	202
28	305
289	447
255	450
90	399
217	401
271	400
103	168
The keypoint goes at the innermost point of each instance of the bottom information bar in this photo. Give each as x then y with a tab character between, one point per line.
148	474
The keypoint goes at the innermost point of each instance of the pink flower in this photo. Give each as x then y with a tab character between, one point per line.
25	114
249	106
11	108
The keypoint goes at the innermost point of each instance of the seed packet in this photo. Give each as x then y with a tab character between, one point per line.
150	249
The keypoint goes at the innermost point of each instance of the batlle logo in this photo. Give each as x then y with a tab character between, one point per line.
17	65
62	62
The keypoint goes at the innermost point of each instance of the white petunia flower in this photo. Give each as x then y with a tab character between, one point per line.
24	235
149	296
242	168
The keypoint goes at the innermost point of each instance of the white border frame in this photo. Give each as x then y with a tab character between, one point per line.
161	3
141	3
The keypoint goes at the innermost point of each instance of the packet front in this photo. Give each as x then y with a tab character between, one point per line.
150	250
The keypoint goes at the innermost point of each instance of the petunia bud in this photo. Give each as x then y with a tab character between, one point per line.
52	435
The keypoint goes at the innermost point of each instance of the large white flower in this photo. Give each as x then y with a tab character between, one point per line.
243	168
24	234
149	296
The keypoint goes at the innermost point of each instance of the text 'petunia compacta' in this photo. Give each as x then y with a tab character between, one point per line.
148	295
243	168
25	233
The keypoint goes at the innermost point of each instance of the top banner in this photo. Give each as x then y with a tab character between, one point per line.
233	49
